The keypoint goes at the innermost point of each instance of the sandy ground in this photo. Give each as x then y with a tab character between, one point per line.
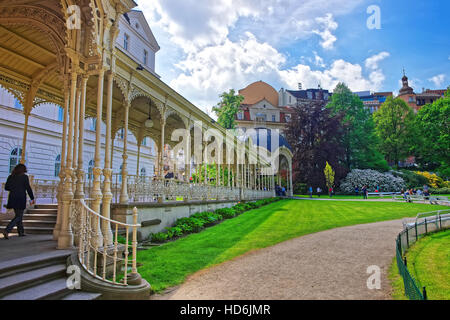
327	265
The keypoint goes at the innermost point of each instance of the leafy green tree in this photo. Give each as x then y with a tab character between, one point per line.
432	142
227	109
395	128
360	140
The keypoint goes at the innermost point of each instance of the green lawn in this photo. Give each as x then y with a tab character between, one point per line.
341	197
170	264
429	264
350	197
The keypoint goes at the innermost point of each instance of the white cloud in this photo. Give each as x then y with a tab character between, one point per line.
438	80
318	61
210	22
215	69
339	71
328	26
372	62
212	57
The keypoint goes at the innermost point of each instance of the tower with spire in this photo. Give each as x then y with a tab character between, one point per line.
406	89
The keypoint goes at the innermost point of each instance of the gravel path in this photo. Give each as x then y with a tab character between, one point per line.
327	265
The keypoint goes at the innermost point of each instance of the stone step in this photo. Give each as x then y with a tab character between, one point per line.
51	290
42	211
32	223
40	217
28	263
80	295
23	280
46	206
31	230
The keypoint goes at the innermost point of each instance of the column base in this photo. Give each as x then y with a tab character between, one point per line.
65	241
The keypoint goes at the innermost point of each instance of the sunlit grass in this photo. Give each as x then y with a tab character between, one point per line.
429	263
170	264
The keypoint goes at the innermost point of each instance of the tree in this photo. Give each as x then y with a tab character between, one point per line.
360	140
315	137
432	142
227	109
329	175
395	128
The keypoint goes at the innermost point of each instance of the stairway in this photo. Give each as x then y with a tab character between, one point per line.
41	219
39	277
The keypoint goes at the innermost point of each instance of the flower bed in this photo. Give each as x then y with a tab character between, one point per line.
199	221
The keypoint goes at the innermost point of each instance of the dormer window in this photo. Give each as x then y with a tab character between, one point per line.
126	41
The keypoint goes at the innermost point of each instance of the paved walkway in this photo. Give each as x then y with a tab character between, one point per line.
326	265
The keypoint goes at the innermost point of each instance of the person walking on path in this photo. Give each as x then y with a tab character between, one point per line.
319	191
18	186
364	191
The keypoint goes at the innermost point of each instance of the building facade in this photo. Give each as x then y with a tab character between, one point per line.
418	100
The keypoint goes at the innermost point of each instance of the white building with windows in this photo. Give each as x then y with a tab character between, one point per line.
43	153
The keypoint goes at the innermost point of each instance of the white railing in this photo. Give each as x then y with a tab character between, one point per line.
144	189
86	225
45	192
148	189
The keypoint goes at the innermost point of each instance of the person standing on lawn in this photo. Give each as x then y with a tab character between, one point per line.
310	192
18	186
319	191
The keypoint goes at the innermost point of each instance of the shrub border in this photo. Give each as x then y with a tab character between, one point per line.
202	220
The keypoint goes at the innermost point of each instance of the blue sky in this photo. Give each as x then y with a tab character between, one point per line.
208	47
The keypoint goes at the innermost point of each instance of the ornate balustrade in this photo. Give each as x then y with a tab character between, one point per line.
99	255
144	189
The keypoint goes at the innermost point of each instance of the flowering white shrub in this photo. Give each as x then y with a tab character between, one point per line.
372	179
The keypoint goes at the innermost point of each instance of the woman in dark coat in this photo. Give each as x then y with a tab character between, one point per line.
18	186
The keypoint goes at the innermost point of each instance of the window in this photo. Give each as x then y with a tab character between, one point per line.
144	142
60	114
310	95
145	57
14	158
57	165
143	172
261	117
93	124
126	41
274	118
120	173
121	133
240	115
91	170
290	99
288	118
17	104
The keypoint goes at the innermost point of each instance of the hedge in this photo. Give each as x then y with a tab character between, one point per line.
199	221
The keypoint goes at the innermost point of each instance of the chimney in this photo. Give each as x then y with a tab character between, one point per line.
300	86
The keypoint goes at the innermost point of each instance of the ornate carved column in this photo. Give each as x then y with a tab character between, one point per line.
79	193
63	160
25	135
124	190
65	239
97	239
139	159
107	171
291	187
161	159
